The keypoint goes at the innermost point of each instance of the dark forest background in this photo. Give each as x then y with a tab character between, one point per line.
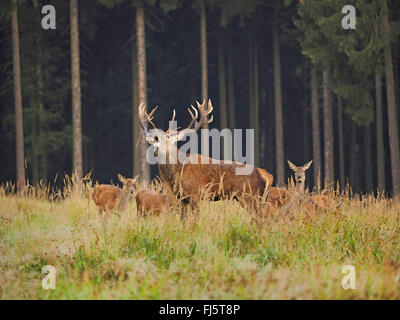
249	43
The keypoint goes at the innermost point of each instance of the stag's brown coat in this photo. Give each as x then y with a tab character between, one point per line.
200	176
214	181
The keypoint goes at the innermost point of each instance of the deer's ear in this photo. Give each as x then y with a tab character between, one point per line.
307	165
292	166
121	178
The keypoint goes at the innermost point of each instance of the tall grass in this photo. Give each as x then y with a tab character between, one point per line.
221	253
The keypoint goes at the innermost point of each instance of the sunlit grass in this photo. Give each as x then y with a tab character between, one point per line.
219	254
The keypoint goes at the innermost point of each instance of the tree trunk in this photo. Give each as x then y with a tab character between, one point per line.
253	90
250	70
204	75
193	63
34	147
328	131
141	55
222	86
353	174
380	148
40	103
231	80
159	75
76	92
135	105
342	179
203	45
391	105
221	80
368	159
19	131
279	139
315	127
305	136
256	105
34	103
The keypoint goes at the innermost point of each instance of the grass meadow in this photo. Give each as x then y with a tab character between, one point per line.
219	254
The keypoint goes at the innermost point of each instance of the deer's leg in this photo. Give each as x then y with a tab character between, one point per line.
195	204
251	205
247	202
140	211
102	213
116	212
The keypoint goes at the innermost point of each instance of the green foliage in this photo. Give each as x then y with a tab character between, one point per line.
110	3
45	91
353	56
219	253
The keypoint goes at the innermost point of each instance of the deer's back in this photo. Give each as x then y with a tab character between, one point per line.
277	196
105	196
219	179
150	200
318	201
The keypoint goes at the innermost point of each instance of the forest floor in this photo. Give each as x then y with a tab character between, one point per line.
220	254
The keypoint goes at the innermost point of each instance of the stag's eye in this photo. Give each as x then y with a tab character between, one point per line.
156	139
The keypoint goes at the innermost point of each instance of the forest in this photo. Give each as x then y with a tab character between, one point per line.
287	69
317	217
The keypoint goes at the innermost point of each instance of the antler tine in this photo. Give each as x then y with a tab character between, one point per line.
145	117
194	117
173	115
172	120
150	116
204	113
210	107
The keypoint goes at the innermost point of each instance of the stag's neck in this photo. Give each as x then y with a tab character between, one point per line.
295	197
169	172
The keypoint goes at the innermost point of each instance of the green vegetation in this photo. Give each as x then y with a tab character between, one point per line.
220	254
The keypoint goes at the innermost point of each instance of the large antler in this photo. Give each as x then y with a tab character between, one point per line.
194	117
191	124
204	113
170	128
145	117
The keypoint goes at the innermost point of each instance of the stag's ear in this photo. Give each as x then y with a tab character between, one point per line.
307	165
121	178
292	166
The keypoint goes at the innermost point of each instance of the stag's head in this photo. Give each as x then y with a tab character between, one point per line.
300	172
165	141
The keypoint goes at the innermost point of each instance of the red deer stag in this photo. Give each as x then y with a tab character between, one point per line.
109	198
189	179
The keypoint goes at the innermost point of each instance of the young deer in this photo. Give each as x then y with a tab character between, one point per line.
277	197
315	201
111	198
283	198
150	201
